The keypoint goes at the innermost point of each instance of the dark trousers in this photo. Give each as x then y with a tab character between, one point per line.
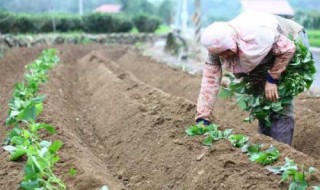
282	128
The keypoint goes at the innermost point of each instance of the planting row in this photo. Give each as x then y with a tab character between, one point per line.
256	153
25	139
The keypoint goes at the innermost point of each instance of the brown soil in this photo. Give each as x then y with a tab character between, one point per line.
122	118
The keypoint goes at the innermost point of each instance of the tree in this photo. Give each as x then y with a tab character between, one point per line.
166	11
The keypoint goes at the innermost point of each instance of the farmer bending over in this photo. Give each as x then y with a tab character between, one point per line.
250	41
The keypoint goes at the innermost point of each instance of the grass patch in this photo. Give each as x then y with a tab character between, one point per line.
314	42
162	29
314	37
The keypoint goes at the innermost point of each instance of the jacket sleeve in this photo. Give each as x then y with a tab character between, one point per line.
210	84
284	50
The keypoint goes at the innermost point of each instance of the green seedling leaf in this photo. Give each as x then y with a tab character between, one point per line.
30	172
30	184
265	158
251	148
28	114
36	164
289	165
238	140
39	108
229	76
17	154
14	132
241	103
26	134
226	133
55	147
211	127
207	141
16	140
45	144
9	148
43	151
48	128
225	93
55	159
38	99
298	186
299	177
73	172
197	130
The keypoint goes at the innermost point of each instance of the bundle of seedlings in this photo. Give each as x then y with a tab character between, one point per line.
250	94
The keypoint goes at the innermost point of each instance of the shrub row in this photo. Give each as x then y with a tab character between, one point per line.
91	23
310	20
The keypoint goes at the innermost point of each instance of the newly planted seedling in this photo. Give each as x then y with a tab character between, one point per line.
262	157
215	135
24	137
73	172
211	132
290	171
238	140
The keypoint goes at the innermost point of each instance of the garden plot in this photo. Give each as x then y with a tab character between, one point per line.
122	118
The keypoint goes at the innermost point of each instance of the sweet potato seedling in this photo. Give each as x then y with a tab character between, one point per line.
238	140
290	171
211	132
262	157
24	137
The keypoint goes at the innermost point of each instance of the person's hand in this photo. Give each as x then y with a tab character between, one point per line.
271	91
205	122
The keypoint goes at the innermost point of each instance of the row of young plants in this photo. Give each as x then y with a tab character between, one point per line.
25	139
297	176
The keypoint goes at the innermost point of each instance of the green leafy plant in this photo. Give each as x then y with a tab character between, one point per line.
211	131
215	135
73	172
200	129
24	140
262	157
39	167
290	171
250	90
238	140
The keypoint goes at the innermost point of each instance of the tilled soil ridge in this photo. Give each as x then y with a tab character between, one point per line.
178	83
